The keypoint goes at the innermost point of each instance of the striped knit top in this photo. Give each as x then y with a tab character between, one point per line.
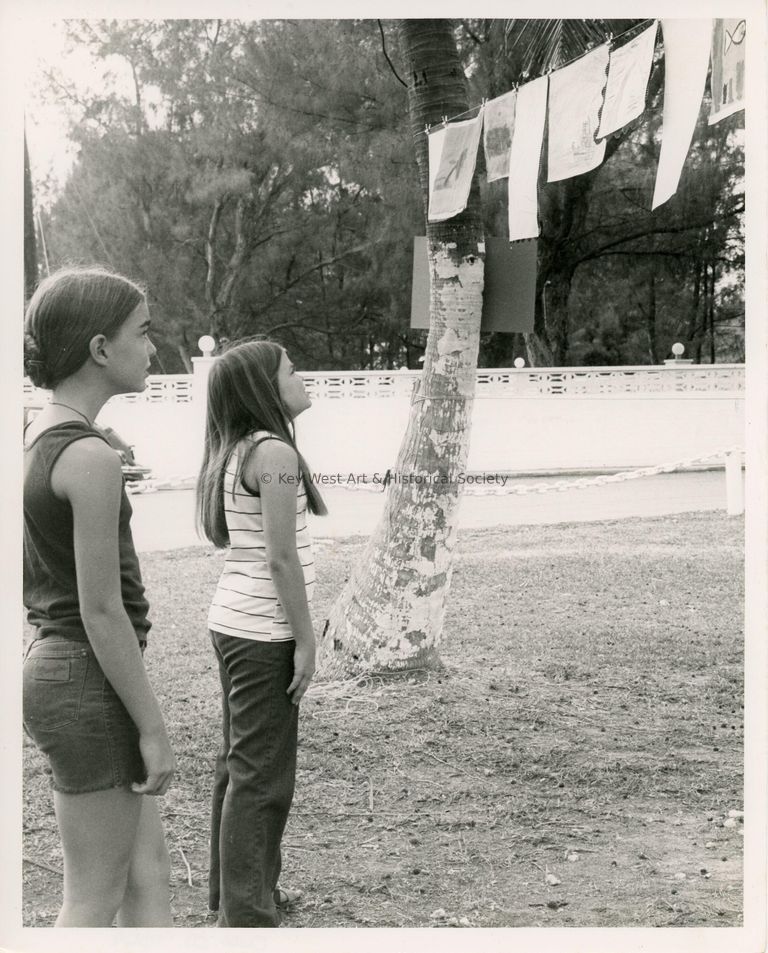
245	603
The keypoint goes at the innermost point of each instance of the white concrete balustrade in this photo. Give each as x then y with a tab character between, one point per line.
524	420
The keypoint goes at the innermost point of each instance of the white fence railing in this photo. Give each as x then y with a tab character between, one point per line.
501	382
523	420
572	381
160	389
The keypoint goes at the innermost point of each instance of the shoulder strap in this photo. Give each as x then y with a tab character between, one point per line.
246	456
242	463
255	443
64	431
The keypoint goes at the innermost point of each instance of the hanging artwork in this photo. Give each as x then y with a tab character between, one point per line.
575	99
628	71
686	59
498	127
524	159
435	145
728	49
458	157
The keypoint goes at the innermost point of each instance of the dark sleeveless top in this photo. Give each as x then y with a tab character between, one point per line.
50	581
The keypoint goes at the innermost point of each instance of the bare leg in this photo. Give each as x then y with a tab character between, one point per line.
98	831
147	896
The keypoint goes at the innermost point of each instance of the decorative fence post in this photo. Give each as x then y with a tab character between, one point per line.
734	485
201	368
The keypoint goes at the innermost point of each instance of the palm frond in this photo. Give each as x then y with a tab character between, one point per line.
548	44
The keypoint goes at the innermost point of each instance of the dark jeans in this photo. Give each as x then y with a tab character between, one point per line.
254	779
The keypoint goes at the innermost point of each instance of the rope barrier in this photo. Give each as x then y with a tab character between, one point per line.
562	485
473	489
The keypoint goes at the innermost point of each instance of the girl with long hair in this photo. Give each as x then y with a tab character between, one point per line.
253	494
88	704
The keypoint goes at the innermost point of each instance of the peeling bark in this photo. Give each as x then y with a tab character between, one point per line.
390	614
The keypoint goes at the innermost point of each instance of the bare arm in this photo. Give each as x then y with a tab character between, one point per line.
87	474
273	467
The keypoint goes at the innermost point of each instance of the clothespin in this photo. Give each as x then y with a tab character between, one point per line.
445	120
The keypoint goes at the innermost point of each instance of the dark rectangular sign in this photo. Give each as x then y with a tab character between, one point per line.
509	295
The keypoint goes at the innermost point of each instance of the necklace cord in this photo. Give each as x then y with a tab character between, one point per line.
59	403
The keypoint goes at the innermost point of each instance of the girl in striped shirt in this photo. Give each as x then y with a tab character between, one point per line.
253	494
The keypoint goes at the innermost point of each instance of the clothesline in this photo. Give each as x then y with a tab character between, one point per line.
582	102
611	39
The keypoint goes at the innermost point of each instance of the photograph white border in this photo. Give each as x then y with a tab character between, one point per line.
17	20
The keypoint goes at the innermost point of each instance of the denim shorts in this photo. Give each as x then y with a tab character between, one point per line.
77	720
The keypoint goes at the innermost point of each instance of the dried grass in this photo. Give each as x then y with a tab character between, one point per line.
590	706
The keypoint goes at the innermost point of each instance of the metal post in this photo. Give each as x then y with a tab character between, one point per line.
734	485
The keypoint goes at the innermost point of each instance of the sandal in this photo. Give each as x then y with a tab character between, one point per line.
284	898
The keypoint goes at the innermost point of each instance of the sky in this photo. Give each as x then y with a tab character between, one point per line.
51	154
45	120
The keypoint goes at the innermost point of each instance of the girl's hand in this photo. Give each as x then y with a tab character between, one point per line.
159	762
303	670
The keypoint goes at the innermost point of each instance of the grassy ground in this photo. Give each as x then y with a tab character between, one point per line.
577	762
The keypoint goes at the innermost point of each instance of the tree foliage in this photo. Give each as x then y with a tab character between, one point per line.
260	179
253	185
618	283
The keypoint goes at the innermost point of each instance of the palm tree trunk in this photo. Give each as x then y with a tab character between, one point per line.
390	615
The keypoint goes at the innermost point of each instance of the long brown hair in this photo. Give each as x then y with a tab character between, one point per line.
243	397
